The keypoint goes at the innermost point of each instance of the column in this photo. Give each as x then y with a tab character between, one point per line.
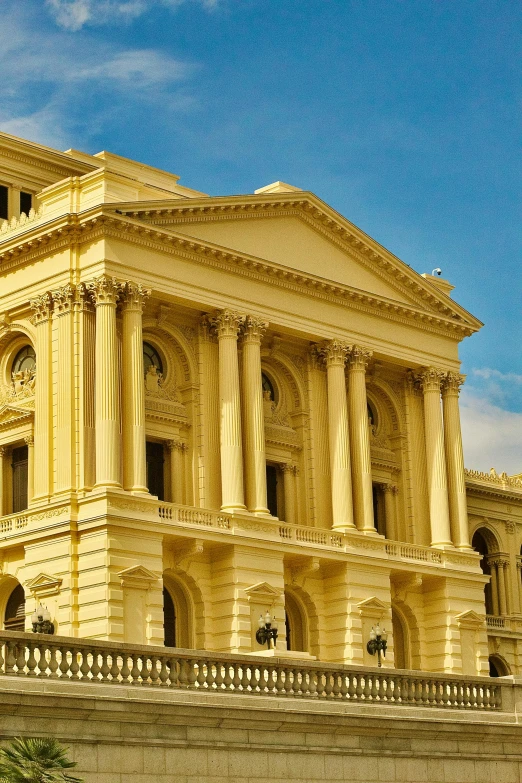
501	584
458	510
29	440
289	473
177	470
105	291
253	418
430	380
64	447
42	307
133	391
507	591
209	421
3	454
227	324
86	388
360	439
335	353
494	586
390	521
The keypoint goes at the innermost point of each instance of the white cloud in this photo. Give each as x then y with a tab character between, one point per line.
72	15
492	436
69	87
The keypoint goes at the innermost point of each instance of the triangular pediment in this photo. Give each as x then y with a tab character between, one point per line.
44	584
263	590
10	414
372	603
298	231
470	619
137	576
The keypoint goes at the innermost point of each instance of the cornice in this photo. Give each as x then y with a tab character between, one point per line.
494	492
318	215
40	240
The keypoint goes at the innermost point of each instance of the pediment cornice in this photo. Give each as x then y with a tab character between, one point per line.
106	221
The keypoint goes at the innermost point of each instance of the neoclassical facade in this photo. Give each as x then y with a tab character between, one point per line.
212	407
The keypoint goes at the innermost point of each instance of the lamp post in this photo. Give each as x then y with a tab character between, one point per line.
267	631
377	643
41	620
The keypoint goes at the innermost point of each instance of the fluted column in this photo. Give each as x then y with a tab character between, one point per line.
227	324
501	585
105	291
133	389
42	307
86	388
335	353
390	520
494	586
177	470
289	473
29	440
3	455
360	439
458	509
430	380
65	446
253	418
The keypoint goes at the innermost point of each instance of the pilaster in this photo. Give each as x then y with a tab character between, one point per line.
43	451
177	470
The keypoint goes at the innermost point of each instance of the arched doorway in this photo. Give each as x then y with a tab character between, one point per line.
296	625
401	641
177	615
14	616
498	667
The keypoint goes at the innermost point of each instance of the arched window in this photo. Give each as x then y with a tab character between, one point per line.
296	625
25	360
14	618
151	358
479	544
177	615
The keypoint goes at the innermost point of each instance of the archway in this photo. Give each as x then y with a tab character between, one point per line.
297	636
14	615
401	640
498	666
485	543
178	620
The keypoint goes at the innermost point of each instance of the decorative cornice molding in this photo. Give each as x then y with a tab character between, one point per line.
88	228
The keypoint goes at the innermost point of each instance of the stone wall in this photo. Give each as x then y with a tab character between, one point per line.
124	734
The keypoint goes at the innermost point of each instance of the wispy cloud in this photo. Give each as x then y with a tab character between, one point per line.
72	15
491	410
68	87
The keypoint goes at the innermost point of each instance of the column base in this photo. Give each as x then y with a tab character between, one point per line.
442	545
231	509
344	528
107	485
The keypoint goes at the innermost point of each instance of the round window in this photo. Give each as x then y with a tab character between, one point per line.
25	361
151	359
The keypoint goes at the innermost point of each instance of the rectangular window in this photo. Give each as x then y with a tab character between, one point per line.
155	470
4	201
19	464
26	202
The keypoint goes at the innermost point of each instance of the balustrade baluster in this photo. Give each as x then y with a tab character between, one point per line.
328	685
125	671
344	686
95	667
85	666
368	685
192	673
63	662
184	669
104	669
20	659
279	685
201	678
229	676
236	679
53	662
336	686
2	656
245	678
154	674
212	667
74	666
31	659
10	658
219	679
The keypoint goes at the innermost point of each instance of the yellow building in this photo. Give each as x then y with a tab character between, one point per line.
212	407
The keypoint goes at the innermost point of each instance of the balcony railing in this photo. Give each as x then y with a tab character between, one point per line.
91	661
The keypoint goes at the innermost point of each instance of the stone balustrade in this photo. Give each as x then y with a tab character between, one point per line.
88	661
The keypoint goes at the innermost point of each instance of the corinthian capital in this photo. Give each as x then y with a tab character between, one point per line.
63	299
359	358
227	323
42	307
334	352
134	295
104	289
452	382
430	379
254	329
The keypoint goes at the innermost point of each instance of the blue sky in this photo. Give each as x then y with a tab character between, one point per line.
404	115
